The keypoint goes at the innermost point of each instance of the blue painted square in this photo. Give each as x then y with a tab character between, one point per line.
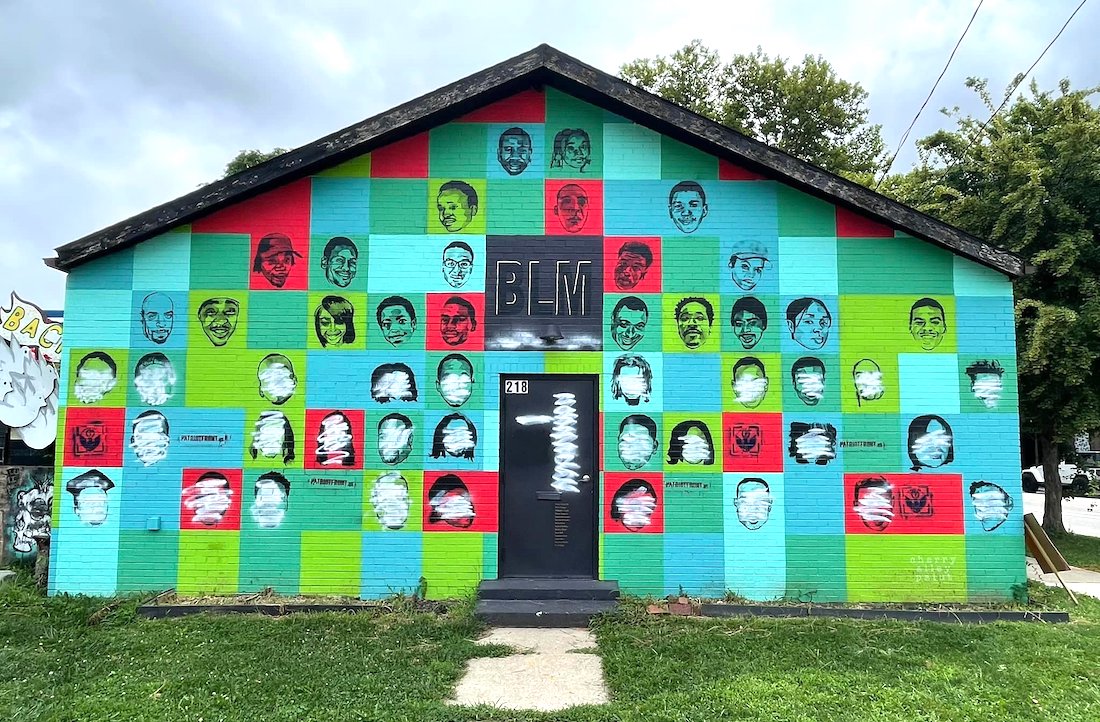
87	545
205	437
151	492
164	262
392	563
650	401
154	314
640	208
755	535
809	324
926	449
87	313
106	273
813	499
391	272
694	562
985	325
929	383
694	382
986	448
631	152
435	434
340	206
809	266
519	362
535	168
973	279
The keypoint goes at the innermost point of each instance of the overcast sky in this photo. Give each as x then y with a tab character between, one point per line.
110	108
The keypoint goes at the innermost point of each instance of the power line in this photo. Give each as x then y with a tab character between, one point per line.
905	136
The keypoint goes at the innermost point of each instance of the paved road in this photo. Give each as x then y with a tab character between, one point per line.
1081	516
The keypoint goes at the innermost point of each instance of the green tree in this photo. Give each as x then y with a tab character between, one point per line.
1029	180
801	108
248	158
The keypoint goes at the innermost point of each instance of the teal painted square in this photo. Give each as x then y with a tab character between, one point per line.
817	568
536	167
872	444
973	279
695	382
397	206
457	151
612	424
801	214
631	152
756	553
489	561
275	319
694	563
147	560
984	325
995	568
431	391
110	272
318	281
87	312
893	266
651	340
680	161
517	207
809	266
220	261
330	507
339	206
690	264
773	322
86	561
392	563
693	503
269	558
163	262
836	380
150	379
977	375
929	383
376	341
637	561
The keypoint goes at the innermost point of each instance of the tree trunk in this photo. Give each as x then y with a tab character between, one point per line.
1052	487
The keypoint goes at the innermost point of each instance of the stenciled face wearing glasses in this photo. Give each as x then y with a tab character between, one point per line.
458	263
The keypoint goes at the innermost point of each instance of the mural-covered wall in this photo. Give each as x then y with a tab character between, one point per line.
302	390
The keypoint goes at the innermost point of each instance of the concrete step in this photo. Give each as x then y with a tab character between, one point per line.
6	575
542	588
541	612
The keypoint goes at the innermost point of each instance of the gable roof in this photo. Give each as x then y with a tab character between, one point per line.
542	66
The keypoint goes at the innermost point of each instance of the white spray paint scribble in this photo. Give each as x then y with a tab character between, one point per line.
390	499
334	441
392	439
696	450
811	383
451	506
869	385
393	385
277	381
633	385
92	385
749	391
208	500
269	505
635	508
754	505
457	439
267	438
875	506
992	505
148	440
987	389
154	383
931	448
635	446
815	444
563	438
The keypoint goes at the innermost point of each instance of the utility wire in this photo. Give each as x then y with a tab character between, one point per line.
905	136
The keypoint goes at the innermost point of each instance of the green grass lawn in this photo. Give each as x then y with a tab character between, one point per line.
1080	551
64	659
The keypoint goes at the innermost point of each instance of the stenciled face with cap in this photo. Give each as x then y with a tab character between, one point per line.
275	256
747	264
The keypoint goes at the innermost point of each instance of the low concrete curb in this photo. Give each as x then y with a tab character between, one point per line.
166	611
905	615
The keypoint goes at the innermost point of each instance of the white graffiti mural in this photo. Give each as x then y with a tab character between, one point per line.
30	503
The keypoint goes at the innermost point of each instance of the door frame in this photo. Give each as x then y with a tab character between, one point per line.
597	471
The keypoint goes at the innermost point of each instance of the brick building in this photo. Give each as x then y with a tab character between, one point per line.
538	323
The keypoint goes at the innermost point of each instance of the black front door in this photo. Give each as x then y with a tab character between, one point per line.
548	475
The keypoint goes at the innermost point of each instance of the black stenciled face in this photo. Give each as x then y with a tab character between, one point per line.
341	265
572	208
157	317
576	151
218	317
514	152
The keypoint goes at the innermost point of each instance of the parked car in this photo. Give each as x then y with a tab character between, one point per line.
1073	478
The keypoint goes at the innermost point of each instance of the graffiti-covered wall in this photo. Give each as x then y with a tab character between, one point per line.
26	495
302	390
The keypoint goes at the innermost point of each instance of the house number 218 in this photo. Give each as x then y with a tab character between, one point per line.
515	386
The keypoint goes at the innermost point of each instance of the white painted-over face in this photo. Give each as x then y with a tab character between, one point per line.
634	506
334	441
992	505
149	439
933	447
394	440
270	504
390	499
753	504
987	388
91	506
155	381
874	504
268	434
208	500
636	446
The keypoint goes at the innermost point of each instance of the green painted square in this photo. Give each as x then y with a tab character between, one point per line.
317	280
453	563
489	568
871	443
636	561
457	150
476	224
714	425
995	569
160	382
906	568
689	263
333	500
632	152
873	326
376	341
421	445
777	385
147	560
414	479
220	377
864	365
837	382
1006	401
693	503
274	319
680	161
361	321
397	206
670	328
815	568
973	279
611	424
107	273
270	558
331	562
220	261
429	392
801	214
164	262
208	562
518	208
563	113
652	340
574	362
893	266
95	369
354	168
769	340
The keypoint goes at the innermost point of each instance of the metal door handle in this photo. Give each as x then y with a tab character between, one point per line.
586	477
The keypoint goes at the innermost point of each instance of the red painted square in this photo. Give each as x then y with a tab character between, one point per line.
853	225
573	208
94	436
753	442
210	499
281	210
279	262
406	158
334	439
457	494
626	499
629	274
729	171
528	106
465	327
903	504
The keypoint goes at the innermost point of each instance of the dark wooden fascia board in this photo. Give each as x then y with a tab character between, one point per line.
543	65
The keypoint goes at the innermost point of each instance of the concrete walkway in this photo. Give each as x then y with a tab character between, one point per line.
545	674
1081	581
